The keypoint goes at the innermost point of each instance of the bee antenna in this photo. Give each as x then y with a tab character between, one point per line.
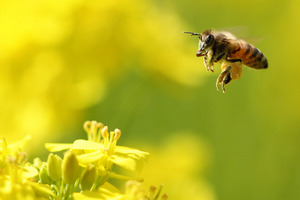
191	33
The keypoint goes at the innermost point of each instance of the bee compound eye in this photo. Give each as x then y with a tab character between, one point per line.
209	39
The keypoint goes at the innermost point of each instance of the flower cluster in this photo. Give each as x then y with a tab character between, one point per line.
83	172
17	175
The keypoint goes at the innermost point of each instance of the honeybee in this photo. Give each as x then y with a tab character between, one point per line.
231	52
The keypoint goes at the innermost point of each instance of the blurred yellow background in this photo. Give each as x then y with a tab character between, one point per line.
128	65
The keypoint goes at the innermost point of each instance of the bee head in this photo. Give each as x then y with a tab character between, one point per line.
206	41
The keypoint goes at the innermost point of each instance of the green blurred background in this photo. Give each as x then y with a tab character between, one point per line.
128	65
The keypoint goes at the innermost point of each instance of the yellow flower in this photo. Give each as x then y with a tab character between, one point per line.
101	150
16	177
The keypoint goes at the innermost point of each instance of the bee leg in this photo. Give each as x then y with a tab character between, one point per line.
208	65
212	68
209	61
235	73
205	63
226	80
222	77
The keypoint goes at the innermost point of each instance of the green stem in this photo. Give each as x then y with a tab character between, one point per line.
60	196
76	185
67	191
58	186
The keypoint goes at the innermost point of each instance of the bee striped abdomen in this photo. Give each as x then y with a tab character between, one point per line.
250	55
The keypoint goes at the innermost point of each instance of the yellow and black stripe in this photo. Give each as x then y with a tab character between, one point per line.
250	55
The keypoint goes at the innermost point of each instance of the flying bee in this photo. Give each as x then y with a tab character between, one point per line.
231	52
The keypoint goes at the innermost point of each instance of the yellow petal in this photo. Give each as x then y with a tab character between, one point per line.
86	145
90	158
54	147
30	172
105	192
127	163
133	153
18	145
109	194
41	189
110	187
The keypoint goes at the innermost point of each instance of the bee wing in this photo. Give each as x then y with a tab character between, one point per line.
228	35
238	31
242	32
254	40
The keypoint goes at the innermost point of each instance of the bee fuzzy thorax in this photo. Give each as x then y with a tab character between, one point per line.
225	48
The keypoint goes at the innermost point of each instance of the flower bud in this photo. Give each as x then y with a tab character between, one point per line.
70	168
54	167
88	177
44	177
